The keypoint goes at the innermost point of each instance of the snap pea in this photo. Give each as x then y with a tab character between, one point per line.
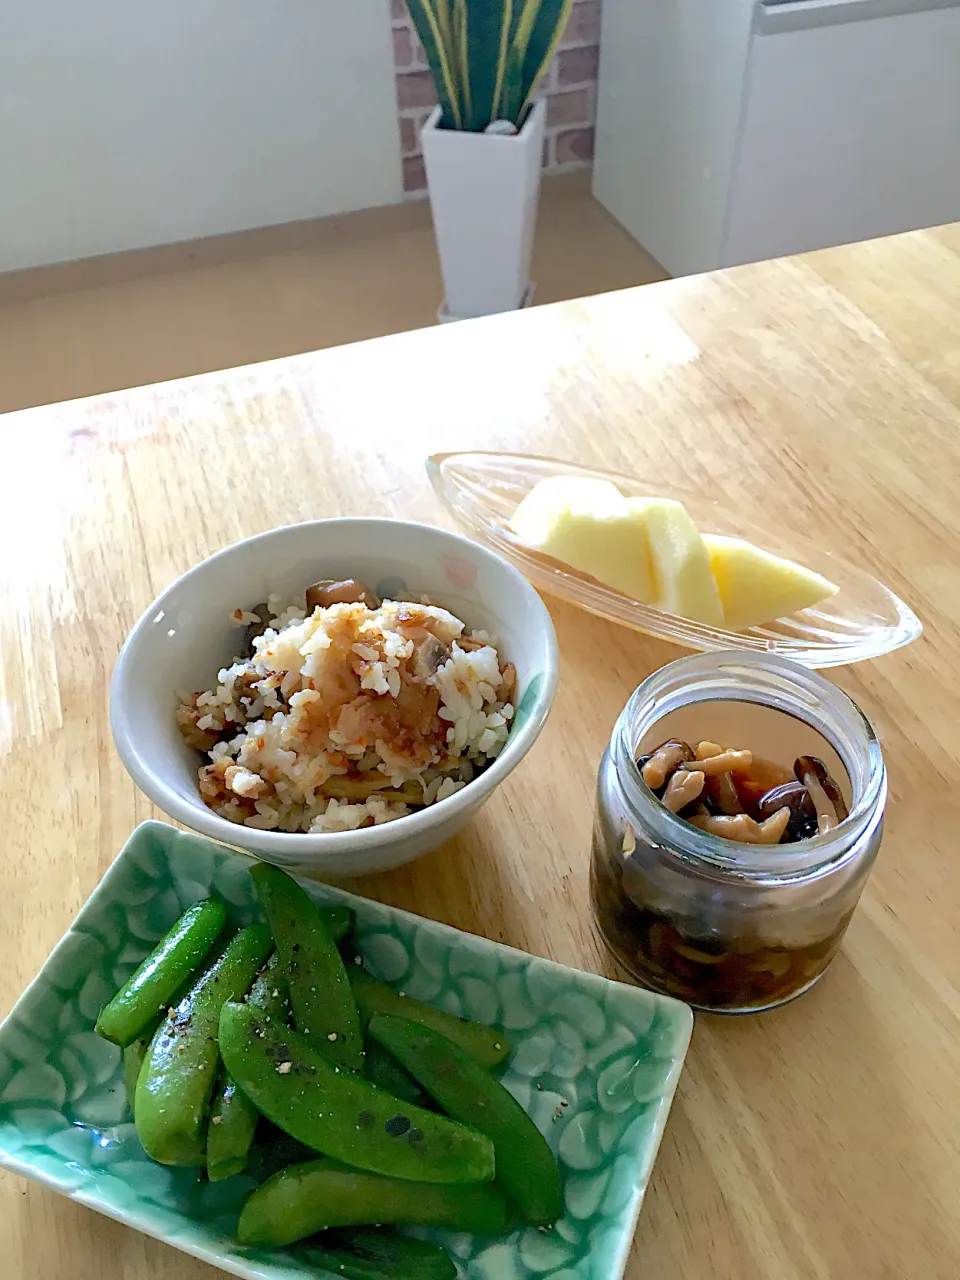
323	1006
233	1122
525	1164
270	992
338	920
363	1253
274	1150
486	1044
179	1072
133	1056
168	966
311	1197
289	1080
383	1070
233	1117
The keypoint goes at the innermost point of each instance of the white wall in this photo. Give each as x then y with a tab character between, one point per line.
128	123
870	144
671	77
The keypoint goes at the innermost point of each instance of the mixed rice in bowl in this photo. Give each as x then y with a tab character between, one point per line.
346	712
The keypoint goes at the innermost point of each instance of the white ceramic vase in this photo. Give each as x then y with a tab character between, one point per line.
484	191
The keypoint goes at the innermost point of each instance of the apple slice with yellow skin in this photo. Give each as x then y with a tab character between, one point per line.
681	564
756	586
589	525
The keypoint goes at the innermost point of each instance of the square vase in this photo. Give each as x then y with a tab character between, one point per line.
484	191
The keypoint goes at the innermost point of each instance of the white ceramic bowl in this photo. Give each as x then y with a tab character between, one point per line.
186	636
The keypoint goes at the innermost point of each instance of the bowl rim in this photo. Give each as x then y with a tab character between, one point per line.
199	818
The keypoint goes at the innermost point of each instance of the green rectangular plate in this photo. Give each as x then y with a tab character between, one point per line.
595	1063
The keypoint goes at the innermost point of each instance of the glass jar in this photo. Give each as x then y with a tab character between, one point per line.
726	926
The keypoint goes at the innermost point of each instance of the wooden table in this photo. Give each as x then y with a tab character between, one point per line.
822	1140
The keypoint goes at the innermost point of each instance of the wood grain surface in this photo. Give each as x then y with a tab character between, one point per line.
820	1141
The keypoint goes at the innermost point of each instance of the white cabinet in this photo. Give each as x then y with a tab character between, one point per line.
733	130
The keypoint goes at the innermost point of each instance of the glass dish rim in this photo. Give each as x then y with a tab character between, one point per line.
594	597
816	856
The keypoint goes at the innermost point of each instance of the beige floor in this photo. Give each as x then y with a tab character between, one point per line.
82	328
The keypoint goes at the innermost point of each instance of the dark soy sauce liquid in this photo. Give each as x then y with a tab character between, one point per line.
681	933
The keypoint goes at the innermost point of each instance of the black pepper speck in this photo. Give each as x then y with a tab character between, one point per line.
278	1052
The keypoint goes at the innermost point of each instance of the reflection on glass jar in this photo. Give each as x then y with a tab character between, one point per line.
728	926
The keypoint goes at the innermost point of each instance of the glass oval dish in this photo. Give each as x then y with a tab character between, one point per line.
863	620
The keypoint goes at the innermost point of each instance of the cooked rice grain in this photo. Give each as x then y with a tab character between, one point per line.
335	707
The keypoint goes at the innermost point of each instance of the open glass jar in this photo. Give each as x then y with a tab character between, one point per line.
727	926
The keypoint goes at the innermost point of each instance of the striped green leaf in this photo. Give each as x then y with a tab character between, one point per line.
512	91
460	56
486	56
432	21
444	20
506	26
549	22
535	30
511	95
487	33
519	8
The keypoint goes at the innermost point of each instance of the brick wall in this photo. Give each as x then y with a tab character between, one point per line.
570	87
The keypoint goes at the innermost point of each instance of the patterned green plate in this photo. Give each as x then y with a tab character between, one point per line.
595	1063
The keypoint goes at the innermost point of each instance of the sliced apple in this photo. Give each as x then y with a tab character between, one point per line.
590	526
681	564
757	587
